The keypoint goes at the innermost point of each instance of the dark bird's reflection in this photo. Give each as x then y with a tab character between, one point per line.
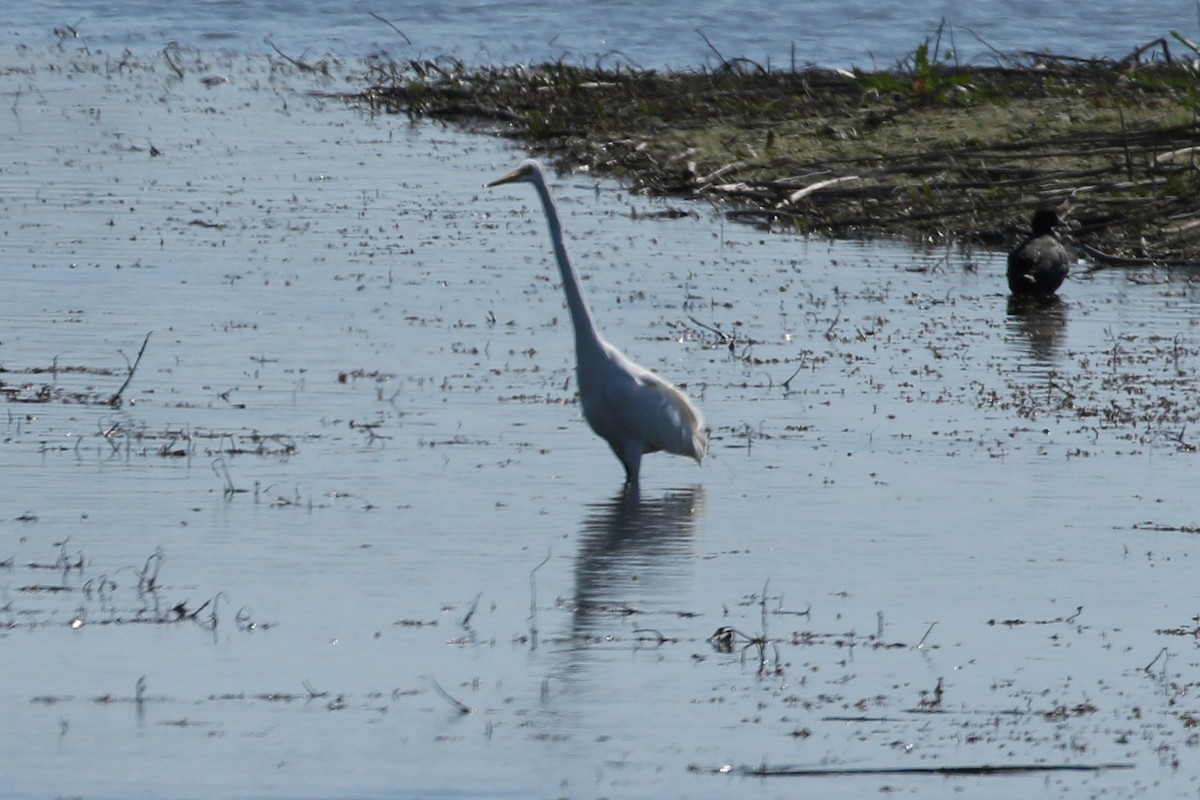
633	550
1038	324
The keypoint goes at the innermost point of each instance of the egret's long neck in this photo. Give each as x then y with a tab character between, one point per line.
586	335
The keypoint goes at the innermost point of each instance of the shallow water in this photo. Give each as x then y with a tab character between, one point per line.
353	435
685	34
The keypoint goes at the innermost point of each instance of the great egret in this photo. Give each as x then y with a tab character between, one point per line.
1040	264
627	405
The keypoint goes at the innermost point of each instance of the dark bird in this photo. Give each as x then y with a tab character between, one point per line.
1040	264
627	405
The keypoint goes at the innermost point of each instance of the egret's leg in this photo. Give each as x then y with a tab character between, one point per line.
631	458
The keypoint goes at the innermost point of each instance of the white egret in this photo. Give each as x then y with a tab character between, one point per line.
1040	264
627	405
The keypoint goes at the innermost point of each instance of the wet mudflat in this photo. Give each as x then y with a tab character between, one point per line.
346	534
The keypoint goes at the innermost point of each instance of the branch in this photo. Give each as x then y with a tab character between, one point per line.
115	401
390	25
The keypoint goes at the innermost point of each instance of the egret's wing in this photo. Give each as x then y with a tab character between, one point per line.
638	404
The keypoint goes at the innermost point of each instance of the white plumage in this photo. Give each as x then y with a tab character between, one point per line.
627	405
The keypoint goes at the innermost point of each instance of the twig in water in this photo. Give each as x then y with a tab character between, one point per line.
465	623
462	707
829	331
65	32
762	610
1186	447
1115	360
230	489
921	644
932	700
140	695
390	25
115	400
148	580
1163	654
533	629
245	619
652	635
725	337
64	561
303	66
212	615
982	769
787	385
171	62
780	610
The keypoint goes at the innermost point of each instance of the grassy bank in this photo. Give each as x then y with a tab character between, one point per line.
930	149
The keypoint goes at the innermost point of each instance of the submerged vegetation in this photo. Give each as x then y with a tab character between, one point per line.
929	149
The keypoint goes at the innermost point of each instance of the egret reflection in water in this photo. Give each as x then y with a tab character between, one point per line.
634	572
635	552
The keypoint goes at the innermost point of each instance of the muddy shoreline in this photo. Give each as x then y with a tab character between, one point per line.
930	150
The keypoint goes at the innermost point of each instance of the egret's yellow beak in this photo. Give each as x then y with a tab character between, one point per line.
510	177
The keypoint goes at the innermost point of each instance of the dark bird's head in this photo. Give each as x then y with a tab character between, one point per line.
1044	221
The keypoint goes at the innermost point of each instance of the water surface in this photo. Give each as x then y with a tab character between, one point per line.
685	35
353	435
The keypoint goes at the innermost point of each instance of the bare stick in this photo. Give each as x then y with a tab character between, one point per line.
171	62
533	630
230	489
800	194
466	620
725	337
713	47
303	66
139	697
971	769
1161	653
652	635
921	644
212	615
115	400
829	332
390	25
763	606
787	384
148	580
462	707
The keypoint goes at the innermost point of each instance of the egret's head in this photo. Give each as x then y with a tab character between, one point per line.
527	172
